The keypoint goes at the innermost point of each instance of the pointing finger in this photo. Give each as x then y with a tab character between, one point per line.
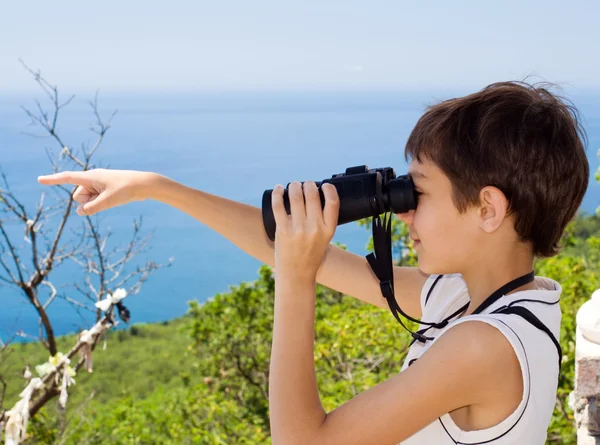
69	177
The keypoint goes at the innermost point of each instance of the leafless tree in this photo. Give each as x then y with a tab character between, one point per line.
103	271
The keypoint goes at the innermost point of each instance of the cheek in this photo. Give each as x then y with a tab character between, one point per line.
440	229
429	222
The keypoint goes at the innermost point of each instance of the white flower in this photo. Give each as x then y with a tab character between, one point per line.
27	373
44	369
53	363
117	296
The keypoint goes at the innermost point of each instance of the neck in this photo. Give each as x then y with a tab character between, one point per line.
485	277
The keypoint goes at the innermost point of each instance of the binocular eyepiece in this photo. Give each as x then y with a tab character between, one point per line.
362	193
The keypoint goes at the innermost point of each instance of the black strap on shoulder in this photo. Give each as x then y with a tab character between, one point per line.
508	287
419	335
532	319
528	315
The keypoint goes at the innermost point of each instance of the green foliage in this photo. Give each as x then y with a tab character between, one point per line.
402	245
129	365
203	379
132	366
198	415
356	345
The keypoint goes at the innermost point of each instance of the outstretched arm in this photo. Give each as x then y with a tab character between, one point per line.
242	224
346	272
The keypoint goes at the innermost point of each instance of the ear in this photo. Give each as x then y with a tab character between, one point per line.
493	208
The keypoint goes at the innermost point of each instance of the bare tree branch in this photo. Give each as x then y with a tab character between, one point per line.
51	392
103	271
4	386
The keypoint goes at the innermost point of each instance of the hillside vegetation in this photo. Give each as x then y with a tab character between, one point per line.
203	378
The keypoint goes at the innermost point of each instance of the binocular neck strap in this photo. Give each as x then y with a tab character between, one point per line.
382	264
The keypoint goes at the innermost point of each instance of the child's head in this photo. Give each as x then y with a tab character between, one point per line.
507	171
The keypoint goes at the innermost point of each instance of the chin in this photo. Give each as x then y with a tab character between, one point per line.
423	267
430	269
426	270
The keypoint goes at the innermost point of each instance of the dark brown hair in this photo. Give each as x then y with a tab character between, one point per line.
520	138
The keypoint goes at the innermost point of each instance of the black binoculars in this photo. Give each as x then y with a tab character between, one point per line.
362	193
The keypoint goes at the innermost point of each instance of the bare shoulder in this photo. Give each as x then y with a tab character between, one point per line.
489	363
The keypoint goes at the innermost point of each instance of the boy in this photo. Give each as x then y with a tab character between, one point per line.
499	174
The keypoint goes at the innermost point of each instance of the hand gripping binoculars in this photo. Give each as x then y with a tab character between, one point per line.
363	192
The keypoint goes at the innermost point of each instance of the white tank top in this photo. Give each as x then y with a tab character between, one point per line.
441	296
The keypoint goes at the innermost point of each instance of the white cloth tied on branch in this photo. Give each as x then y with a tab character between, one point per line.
87	338
67	381
113	298
18	416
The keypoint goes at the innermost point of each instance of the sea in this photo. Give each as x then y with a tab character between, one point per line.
230	143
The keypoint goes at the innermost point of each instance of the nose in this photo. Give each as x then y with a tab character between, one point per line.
406	217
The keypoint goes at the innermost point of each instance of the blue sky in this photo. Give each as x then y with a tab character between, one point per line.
267	44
